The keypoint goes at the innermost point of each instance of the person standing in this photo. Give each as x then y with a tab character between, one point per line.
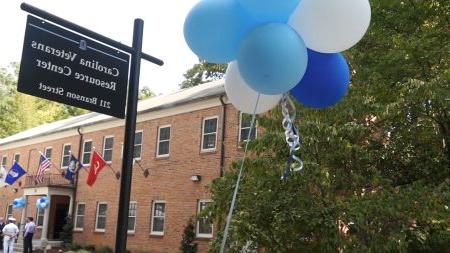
30	227
2	225
10	232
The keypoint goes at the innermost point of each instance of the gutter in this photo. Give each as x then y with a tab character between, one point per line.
222	149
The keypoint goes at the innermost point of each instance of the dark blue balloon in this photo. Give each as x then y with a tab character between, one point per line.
325	82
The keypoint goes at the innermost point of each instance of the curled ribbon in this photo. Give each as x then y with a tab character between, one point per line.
295	164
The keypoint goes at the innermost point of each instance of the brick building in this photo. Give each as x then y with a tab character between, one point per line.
184	140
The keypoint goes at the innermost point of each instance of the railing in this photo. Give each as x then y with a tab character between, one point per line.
48	180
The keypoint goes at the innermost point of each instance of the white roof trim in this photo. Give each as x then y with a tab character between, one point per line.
200	92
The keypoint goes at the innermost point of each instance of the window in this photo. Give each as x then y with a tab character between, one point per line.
163	146
65	156
4	161
16	158
40	217
137	145
108	144
158	217
79	216
132	217
87	149
245	124
100	221
209	135
48	153
204	226
9	212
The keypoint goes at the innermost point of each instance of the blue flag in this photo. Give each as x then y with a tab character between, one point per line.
72	169
14	173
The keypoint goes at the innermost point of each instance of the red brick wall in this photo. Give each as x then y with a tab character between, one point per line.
169	178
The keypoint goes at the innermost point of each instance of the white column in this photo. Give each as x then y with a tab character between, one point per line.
69	213
22	219
46	218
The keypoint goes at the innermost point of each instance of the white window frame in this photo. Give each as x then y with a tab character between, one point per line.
142	144
197	233
153	216
75	228
135	217
112	148
5	160
45	152
62	154
240	127
96	217
14	158
37	217
82	153
159	140
203	133
9	207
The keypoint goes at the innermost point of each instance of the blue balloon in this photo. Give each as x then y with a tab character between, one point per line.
325	82
270	10
214	29
272	58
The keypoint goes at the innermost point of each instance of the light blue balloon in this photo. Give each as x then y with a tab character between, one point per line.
270	10
214	29
272	58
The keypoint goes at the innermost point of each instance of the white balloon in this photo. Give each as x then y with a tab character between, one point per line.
331	26
243	97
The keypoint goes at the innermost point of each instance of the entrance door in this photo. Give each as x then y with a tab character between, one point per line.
61	212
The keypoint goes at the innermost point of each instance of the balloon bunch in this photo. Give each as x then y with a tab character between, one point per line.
19	203
42	203
277	46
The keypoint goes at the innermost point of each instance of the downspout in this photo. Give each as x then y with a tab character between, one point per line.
76	176
222	149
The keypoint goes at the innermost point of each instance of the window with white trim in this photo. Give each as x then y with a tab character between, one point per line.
204	225
40	217
4	161
16	158
48	153
79	216
108	143
9	212
65	159
100	219
158	218
87	150
245	122
138	145
163	147
132	217
209	133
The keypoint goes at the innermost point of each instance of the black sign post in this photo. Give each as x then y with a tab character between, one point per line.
130	124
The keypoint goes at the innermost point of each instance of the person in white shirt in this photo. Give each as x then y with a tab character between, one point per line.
10	232
30	227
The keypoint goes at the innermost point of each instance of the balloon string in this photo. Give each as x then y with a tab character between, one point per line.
294	164
236	188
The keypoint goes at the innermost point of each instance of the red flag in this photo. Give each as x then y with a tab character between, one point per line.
97	164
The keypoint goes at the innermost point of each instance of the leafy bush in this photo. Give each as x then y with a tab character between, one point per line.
104	249
187	243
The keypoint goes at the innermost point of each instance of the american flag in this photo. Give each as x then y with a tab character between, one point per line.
44	165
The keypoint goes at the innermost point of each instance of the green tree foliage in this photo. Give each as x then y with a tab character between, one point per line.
203	72
19	111
377	165
145	93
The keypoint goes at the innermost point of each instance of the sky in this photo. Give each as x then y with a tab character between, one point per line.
163	32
